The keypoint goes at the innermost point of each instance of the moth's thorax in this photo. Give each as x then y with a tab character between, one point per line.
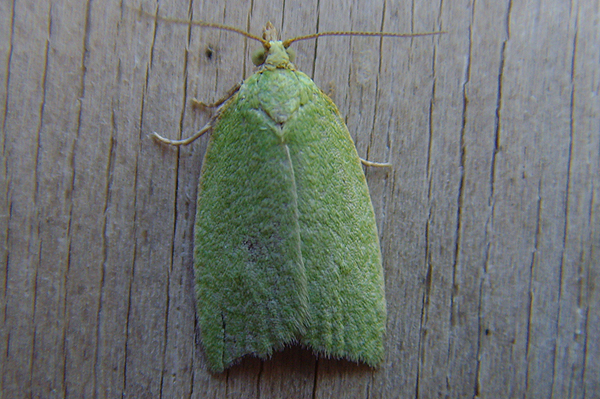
280	92
277	56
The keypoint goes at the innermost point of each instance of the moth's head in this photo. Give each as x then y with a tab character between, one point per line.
273	52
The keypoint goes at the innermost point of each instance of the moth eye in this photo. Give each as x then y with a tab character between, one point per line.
258	57
291	54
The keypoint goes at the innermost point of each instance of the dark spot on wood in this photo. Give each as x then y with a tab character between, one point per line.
209	52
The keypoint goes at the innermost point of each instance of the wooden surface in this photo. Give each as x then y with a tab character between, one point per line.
489	219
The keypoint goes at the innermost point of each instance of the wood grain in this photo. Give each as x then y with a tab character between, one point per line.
489	219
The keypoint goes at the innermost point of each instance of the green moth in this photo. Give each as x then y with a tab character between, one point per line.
286	244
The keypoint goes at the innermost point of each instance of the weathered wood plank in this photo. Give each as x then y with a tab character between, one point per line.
489	218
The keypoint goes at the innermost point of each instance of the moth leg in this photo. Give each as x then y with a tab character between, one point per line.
376	164
187	141
207	127
201	104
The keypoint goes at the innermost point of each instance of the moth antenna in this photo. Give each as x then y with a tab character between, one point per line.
287	42
197	22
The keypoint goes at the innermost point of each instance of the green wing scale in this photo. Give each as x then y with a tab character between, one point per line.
286	245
